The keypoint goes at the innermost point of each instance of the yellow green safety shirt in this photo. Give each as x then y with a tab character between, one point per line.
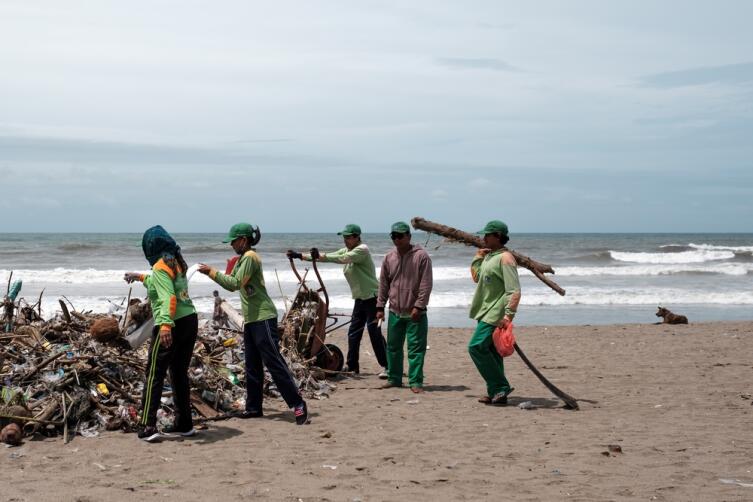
496	284
167	289
247	277
359	270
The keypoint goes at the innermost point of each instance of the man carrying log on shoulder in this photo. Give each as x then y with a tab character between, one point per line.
405	281
494	304
260	339
361	276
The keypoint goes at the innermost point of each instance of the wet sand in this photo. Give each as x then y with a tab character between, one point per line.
675	399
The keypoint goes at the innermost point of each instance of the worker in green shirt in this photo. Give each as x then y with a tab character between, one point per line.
260	338
494	304
175	328
361	276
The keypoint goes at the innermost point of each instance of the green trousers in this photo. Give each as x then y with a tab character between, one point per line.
487	360
398	329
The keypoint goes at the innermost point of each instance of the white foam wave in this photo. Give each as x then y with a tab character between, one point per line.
712	247
61	275
462	299
698	256
335	278
655	296
735	269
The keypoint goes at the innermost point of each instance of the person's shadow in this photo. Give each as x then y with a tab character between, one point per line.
284	416
215	433
445	388
536	402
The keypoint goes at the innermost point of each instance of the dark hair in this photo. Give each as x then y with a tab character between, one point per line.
181	261
503	239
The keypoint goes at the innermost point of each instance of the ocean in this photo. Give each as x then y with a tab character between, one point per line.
609	278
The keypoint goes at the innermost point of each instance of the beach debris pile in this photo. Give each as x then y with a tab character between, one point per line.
83	372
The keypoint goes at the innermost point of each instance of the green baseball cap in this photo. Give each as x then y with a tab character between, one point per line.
240	230
400	227
350	229
494	227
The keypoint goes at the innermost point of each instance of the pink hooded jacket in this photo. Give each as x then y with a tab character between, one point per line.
405	281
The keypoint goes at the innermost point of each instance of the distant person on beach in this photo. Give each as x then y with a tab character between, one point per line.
260	338
494	304
361	276
405	281
175	328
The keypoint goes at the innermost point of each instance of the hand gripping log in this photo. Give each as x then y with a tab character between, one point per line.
455	235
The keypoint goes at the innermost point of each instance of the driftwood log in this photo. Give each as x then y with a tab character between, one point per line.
455	235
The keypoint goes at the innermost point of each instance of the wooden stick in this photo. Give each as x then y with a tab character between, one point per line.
64	308
200	406
30	419
65	420
455	235
128	308
568	399
284	300
44	416
41	365
117	388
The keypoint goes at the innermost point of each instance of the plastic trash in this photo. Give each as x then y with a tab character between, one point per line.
736	482
53	376
14	290
191	271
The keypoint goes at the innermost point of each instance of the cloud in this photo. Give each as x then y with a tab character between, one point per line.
496	26
477	64
478	183
439	194
28	149
740	73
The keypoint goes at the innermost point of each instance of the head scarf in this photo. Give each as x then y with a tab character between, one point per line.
158	244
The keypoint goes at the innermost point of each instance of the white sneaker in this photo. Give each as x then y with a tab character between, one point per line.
170	432
383	374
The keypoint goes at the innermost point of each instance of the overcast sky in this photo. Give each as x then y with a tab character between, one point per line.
571	116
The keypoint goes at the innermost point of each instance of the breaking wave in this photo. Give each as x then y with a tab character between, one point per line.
696	256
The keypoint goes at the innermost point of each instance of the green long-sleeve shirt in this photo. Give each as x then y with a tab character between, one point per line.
497	282
167	288
248	277
359	270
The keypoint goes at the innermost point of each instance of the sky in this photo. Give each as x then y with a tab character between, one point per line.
577	116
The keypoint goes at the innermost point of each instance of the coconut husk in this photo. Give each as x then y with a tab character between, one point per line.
11	434
105	330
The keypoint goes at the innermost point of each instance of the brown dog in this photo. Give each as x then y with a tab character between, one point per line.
670	318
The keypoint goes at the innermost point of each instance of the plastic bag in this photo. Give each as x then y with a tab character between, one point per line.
504	340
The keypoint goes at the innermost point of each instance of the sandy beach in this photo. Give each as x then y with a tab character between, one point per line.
675	399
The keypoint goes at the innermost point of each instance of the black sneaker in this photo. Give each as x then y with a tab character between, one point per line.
172	430
150	434
301	413
249	414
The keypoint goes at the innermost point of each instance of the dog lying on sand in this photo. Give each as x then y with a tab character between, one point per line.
670	318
